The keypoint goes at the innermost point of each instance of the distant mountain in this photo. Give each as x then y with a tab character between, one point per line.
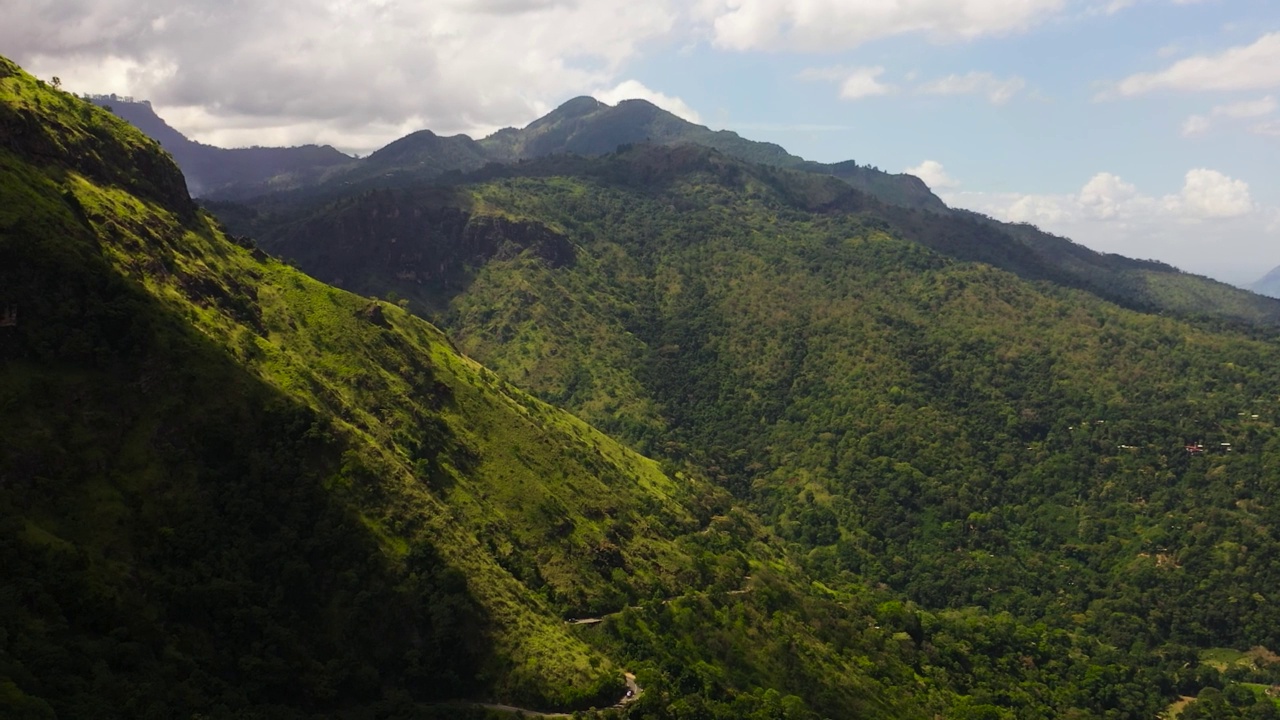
336	242
231	172
581	126
586	126
1269	284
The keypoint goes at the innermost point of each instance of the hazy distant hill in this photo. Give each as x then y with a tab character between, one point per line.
235	172
1269	284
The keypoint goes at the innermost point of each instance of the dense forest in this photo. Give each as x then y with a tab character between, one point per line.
855	474
905	418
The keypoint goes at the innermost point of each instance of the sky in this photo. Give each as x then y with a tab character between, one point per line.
1149	128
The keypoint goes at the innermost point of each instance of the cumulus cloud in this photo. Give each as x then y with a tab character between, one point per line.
933	175
831	25
860	82
1104	194
1210	194
1211	225
633	89
1199	124
366	69
1248	67
996	90
863	82
855	83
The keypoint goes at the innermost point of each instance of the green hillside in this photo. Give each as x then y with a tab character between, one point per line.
908	418
228	490
231	491
586	127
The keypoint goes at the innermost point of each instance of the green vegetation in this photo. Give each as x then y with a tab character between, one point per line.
1001	450
892	481
230	490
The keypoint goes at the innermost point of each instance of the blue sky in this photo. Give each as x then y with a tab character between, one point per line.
1145	127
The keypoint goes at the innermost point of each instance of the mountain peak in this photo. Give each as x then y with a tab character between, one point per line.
577	107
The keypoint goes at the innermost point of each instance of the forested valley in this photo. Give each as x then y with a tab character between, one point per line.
771	446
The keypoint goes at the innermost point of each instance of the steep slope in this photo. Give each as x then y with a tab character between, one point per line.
236	172
964	435
228	490
212	460
585	126
376	240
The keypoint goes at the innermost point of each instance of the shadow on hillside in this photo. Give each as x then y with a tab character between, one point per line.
423	244
172	542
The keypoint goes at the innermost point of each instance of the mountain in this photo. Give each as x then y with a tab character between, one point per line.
319	231
891	483
228	490
231	172
589	128
586	126
1269	284
582	126
922	402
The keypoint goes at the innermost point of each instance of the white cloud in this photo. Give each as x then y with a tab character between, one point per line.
855	83
1271	128
998	91
1247	108
1195	125
863	82
294	70
1210	194
933	175
633	89
1117	5
1210	226
831	25
1248	67
1104	194
1199	124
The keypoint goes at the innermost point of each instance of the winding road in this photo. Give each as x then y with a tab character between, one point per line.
633	693
633	690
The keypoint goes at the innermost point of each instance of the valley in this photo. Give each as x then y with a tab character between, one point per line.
609	416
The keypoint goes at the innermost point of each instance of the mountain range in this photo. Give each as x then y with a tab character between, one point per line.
652	426
287	180
211	170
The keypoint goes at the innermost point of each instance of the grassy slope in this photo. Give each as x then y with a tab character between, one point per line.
428	449
231	490
961	435
955	407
